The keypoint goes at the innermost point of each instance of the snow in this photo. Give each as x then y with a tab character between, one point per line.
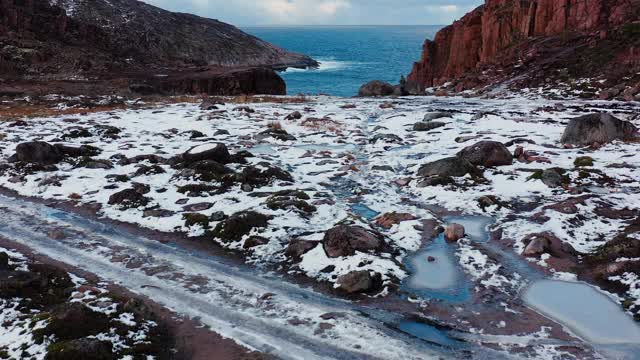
334	162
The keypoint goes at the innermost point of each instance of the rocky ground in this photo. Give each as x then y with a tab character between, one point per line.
49	313
343	192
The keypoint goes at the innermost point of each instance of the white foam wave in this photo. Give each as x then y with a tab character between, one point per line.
329	65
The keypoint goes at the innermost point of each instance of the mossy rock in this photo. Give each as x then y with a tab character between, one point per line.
583	161
240	224
195	219
291	200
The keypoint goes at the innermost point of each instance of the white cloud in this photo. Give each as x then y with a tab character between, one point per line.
301	11
314	12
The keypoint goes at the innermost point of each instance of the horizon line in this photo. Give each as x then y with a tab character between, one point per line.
332	25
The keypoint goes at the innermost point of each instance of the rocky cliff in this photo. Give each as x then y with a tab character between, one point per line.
536	42
96	39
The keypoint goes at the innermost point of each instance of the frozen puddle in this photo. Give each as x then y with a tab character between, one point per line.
427	333
364	211
585	310
440	278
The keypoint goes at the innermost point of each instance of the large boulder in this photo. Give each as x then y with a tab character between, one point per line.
240	224
487	153
128	199
211	151
597	128
454	232
43	153
299	247
376	88
359	282
546	243
436	115
37	152
448	167
427	125
345	240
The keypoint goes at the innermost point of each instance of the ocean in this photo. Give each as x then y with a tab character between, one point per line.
349	56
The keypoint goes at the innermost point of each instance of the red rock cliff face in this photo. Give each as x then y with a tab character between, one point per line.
481	36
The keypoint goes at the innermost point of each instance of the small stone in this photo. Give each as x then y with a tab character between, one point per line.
247	188
454	232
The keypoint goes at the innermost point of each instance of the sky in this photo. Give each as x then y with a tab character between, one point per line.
324	12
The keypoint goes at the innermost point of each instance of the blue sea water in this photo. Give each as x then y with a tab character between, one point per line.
349	56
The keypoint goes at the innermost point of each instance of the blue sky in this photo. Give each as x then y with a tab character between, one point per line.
324	12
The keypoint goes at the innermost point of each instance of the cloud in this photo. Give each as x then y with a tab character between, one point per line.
326	12
301	11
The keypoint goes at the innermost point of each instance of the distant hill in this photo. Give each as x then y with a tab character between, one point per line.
90	39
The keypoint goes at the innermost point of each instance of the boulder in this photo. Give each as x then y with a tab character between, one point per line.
292	200
376	88
427	125
487	153
296	115
448	167
597	128
240	224
345	240
254	241
262	175
454	232
84	150
278	134
359	282
212	151
436	115
37	152
128	199
386	138
207	170
298	247
552	178
546	243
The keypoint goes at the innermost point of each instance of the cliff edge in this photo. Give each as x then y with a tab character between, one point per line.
587	47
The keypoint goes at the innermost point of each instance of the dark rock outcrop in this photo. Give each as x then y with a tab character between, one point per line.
538	244
297	248
487	153
345	240
376	88
217	152
239	225
359	282
597	128
37	152
448	167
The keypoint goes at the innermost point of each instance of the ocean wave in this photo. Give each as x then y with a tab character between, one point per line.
329	65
